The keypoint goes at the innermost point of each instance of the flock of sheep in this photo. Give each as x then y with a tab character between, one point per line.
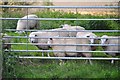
52	39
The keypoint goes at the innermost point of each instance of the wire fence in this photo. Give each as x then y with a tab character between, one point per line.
58	19
94	7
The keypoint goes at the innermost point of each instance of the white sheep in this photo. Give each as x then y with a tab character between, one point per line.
43	37
108	40
70	28
34	38
5	40
91	36
65	26
46	34
84	40
27	24
69	44
55	47
61	44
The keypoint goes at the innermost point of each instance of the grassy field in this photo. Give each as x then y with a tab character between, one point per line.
39	68
36	68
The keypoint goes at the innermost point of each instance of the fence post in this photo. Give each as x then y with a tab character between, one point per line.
118	10
1	58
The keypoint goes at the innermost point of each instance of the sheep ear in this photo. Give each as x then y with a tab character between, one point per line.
106	39
61	26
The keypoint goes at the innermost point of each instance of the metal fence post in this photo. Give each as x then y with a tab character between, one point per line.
1	58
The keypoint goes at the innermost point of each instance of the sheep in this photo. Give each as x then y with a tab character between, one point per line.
69	27
62	42
69	42
54	47
45	34
107	40
84	40
5	40
92	38
65	26
27	24
51	34
33	38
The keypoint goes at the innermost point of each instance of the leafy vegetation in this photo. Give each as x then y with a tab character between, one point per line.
87	24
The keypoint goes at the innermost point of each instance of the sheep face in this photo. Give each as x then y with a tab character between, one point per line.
32	38
91	38
104	40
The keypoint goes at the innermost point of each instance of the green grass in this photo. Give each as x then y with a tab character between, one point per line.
70	69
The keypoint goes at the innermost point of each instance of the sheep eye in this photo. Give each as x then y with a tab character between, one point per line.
88	36
35	35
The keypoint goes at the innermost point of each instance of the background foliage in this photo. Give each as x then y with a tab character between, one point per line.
87	24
